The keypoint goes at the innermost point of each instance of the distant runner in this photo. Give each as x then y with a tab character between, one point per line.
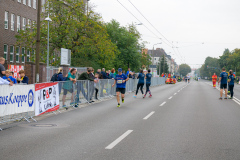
214	80
140	84
223	79
148	83
120	80
231	83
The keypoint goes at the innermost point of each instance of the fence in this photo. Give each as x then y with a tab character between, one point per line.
72	94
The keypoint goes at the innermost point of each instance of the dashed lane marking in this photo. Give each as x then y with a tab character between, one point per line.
170	97
149	115
114	143
162	103
174	93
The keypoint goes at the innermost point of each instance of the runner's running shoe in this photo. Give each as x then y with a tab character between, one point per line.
150	96
122	100
118	105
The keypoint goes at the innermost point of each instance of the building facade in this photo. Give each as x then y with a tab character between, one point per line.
15	15
156	57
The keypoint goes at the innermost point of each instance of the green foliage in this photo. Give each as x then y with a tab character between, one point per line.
229	60
163	65
126	39
85	35
184	69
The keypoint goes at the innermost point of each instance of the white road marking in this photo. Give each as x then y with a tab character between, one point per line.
179	91
174	93
114	143
162	103
236	101
149	115
170	97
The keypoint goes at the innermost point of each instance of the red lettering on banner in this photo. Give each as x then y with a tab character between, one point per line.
47	94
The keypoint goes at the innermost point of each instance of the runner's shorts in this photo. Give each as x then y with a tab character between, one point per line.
121	90
223	86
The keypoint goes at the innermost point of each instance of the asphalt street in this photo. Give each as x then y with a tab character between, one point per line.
180	122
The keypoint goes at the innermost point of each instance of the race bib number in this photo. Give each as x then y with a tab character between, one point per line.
119	81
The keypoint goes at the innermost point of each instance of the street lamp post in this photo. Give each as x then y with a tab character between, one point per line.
49	20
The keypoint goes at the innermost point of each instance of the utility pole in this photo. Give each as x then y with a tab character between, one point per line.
38	42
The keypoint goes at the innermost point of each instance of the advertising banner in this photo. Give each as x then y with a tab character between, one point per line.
16	99
15	69
46	98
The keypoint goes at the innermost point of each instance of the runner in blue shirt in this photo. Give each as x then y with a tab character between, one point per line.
148	83
231	83
223	79
140	84
120	80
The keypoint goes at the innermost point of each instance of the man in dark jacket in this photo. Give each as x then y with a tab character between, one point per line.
104	74
80	84
91	84
103	82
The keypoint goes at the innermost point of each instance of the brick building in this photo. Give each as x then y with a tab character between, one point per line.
17	15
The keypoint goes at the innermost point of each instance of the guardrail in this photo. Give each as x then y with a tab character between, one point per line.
20	101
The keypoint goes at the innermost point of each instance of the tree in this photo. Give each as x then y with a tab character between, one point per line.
85	35
126	39
184	69
163	65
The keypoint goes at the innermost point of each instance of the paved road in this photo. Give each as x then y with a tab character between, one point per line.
182	122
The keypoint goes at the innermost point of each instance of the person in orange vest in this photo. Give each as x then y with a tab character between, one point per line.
214	80
169	75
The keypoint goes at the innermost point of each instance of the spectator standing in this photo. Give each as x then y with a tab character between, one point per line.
9	78
68	86
103	82
23	78
104	74
60	78
2	68
98	71
12	75
91	75
128	72
95	85
82	77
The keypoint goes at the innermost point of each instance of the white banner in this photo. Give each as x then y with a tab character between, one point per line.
16	99
47	98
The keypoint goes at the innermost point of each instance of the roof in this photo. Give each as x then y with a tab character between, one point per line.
157	53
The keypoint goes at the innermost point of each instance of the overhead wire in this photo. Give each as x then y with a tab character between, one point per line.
171	46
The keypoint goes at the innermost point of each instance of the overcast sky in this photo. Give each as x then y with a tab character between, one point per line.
199	28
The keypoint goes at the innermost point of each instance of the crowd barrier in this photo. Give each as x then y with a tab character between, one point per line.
26	101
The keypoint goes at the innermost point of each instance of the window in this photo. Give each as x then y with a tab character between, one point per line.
33	54
24	24
11	53
17	54
19	1
43	3
24	2
34	23
12	21
6	20
5	51
29	23
23	52
29	3
34	4
28	55
18	23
